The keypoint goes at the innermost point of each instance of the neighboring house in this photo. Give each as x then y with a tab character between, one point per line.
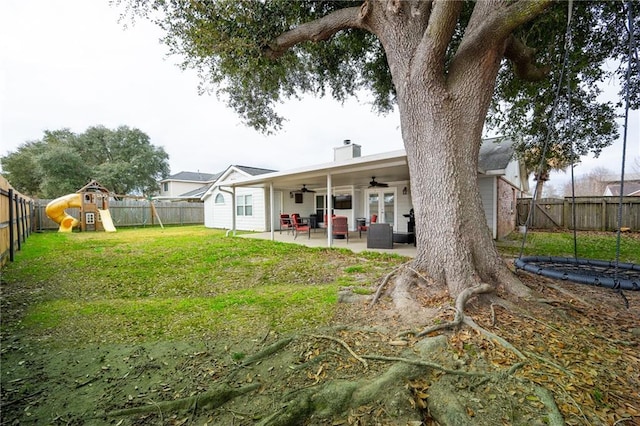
631	186
244	205
185	186
359	187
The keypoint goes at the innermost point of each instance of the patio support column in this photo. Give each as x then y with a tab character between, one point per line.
329	210
233	210
271	206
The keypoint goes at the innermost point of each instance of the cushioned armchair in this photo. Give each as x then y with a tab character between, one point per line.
285	223
365	227
299	226
340	227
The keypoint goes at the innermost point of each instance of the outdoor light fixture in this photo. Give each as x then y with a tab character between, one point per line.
404	191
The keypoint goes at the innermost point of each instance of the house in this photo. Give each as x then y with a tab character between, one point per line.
631	186
502	180
185	186
243	208
358	187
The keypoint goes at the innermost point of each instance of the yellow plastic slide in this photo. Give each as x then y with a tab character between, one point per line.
56	211
107	222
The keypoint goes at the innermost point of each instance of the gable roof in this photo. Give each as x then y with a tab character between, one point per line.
249	172
253	171
192	177
93	186
630	189
495	153
196	193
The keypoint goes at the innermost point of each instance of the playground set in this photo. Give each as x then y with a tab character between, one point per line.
93	202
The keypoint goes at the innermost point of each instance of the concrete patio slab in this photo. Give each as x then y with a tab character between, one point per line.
319	239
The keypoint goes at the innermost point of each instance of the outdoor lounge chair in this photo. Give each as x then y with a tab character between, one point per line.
299	226
340	227
285	223
364	226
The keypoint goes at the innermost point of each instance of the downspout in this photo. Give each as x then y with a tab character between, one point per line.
329	211
233	208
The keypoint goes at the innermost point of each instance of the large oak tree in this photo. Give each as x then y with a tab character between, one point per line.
437	61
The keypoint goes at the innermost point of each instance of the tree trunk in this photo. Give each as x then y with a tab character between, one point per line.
539	188
541	177
455	245
442	117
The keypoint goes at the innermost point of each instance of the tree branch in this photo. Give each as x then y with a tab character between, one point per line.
318	30
442	22
523	59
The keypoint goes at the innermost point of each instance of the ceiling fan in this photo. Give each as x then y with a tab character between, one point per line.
375	183
305	189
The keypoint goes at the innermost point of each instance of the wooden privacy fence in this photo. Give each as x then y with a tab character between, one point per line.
16	220
135	213
592	213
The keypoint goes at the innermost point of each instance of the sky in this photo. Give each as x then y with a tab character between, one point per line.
72	64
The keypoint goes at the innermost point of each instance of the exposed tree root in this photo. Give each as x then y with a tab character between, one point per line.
335	397
268	351
344	344
424	364
323	401
384	282
491	336
211	399
461	301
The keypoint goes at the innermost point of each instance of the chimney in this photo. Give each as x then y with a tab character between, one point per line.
346	151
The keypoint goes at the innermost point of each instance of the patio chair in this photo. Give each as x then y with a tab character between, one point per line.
299	226
340	227
325	224
364	226
285	223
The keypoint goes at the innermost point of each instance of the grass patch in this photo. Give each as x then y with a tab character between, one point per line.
194	283
591	245
178	283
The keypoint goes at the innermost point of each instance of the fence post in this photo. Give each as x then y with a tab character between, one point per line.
603	216
11	231
566	214
32	217
16	202
23	218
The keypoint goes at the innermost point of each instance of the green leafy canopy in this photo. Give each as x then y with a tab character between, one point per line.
225	41
122	160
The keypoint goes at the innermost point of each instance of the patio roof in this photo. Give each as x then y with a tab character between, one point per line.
389	166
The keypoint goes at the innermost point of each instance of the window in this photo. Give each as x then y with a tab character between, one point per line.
219	199
244	205
165	186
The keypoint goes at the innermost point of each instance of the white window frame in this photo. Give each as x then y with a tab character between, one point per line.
220	199
244	205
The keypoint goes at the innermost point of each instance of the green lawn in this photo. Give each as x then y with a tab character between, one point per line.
174	283
191	282
591	245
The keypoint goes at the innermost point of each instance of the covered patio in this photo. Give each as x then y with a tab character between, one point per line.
318	238
363	189
351	186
